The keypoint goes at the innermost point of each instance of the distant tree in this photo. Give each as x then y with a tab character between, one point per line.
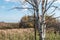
28	21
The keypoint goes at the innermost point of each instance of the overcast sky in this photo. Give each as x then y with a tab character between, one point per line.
7	15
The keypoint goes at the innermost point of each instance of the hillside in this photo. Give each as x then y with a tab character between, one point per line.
8	25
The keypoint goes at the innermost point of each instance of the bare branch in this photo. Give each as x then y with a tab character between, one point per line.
39	1
30	3
49	6
30	10
53	10
36	3
43	9
52	15
56	7
20	8
46	4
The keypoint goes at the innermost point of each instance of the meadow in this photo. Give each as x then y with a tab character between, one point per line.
25	34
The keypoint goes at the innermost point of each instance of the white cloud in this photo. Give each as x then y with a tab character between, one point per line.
23	0
7	0
11	0
14	0
56	1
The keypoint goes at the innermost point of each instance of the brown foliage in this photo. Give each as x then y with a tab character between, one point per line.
28	21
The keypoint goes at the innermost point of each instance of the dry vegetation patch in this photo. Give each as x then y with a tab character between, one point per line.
17	34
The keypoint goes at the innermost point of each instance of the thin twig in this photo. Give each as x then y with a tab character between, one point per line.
30	3
20	8
49	6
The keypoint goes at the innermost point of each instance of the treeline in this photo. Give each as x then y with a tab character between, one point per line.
51	22
4	25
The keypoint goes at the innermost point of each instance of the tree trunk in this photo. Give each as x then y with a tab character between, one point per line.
43	25
34	24
38	24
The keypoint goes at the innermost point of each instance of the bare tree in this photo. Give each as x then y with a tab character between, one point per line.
40	22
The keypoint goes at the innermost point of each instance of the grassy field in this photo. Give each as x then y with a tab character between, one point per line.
24	34
17	34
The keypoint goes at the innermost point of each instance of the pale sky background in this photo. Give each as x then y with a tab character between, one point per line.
7	15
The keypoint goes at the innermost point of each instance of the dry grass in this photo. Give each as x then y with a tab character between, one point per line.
25	34
17	34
